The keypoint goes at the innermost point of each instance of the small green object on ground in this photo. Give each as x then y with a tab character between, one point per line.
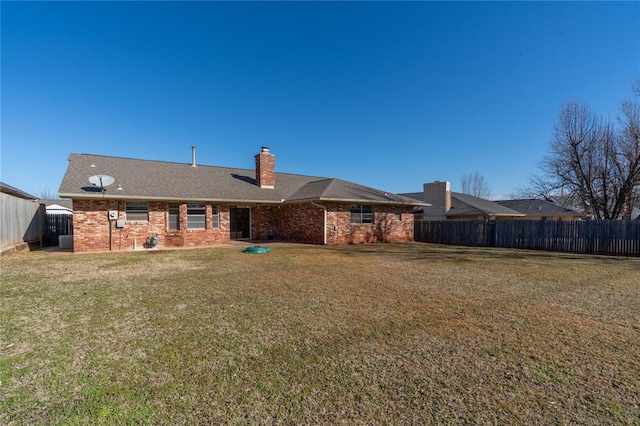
256	249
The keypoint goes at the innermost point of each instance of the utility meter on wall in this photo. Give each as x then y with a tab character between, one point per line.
113	214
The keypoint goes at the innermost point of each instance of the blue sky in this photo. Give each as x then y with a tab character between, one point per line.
388	95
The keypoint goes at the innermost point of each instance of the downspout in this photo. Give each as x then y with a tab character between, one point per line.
324	222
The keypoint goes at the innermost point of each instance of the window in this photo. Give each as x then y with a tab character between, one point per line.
196	216
138	211
174	216
397	213
361	213
215	216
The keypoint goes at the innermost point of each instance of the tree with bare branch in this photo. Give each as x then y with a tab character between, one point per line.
594	161
475	184
47	194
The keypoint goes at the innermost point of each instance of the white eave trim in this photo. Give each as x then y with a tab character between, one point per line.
101	196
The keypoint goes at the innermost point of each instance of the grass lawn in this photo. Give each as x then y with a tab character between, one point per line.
373	334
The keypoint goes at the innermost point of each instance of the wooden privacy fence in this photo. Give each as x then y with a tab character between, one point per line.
21	221
606	237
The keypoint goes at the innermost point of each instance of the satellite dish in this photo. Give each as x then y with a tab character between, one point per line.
101	181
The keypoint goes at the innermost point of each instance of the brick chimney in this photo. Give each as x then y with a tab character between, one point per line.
266	169
438	194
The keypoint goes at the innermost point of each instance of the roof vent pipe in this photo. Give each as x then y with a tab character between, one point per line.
193	155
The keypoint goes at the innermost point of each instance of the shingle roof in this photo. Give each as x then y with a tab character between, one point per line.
160	180
340	190
465	204
68	204
414	195
538	207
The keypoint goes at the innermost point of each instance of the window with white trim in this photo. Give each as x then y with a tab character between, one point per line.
397	213
196	216
361	213
137	211
174	216
215	216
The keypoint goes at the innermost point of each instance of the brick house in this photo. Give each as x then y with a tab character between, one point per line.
165	204
448	205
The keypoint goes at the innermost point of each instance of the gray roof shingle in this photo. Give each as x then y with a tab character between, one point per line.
340	190
538	207
62	203
465	204
160	180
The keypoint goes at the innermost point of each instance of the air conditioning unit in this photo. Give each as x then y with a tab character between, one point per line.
65	241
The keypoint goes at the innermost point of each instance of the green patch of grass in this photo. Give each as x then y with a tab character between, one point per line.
553	373
389	333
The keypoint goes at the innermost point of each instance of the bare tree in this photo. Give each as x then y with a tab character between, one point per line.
475	184
629	146
635	87
47	194
594	161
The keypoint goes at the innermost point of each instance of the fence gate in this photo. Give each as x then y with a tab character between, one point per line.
56	225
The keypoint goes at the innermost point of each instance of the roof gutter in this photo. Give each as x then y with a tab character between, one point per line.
141	197
324	222
101	196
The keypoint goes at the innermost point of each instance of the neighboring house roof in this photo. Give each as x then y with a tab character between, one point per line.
469	205
539	207
466	205
58	204
415	195
159	180
56	209
8	189
572	202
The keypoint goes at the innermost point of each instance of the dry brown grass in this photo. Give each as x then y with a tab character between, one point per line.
371	334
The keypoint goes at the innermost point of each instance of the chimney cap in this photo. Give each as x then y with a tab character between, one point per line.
264	149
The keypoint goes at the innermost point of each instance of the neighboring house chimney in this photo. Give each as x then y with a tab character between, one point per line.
438	194
266	169
193	155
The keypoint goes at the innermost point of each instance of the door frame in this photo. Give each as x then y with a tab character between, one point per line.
233	230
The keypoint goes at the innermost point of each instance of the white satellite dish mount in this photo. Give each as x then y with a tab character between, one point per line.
101	181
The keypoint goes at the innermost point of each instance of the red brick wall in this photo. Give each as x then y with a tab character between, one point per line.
385	227
91	224
289	222
303	223
92	227
298	222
